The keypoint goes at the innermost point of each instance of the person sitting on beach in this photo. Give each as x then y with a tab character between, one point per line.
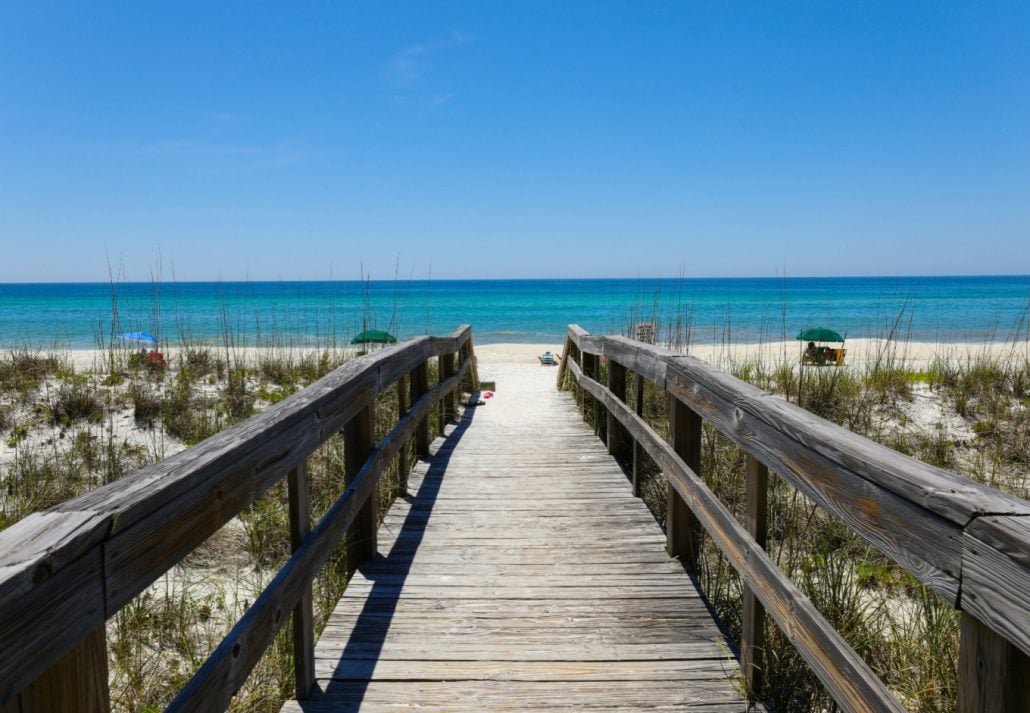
811	352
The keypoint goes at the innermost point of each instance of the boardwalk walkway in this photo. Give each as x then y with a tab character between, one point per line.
522	574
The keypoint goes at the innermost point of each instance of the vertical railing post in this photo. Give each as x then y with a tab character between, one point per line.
77	683
638	451
752	637
591	368
402	454
446	370
303	617
682	530
614	431
992	673
419	386
358	443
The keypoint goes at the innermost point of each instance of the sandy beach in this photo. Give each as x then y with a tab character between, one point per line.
860	352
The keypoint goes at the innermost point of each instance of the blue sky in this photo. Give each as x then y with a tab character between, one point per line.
534	139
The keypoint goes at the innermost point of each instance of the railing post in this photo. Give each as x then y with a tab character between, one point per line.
992	673
303	617
77	683
614	431
591	368
752	637
358	442
419	386
402	454
446	370
682	530
638	451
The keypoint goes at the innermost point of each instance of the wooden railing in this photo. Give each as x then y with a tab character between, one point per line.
65	571
967	542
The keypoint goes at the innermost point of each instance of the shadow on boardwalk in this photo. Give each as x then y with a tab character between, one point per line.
373	624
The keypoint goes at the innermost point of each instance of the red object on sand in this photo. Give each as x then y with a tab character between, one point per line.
488	395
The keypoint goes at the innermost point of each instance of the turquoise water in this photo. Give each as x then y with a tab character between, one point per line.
85	315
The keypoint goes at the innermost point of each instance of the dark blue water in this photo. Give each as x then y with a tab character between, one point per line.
81	315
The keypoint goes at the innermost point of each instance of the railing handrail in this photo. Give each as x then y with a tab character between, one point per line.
65	571
968	542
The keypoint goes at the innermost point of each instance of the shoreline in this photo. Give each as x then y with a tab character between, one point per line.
860	352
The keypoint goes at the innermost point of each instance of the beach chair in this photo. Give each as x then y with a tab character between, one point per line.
548	359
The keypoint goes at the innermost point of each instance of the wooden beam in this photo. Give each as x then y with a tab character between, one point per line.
447	411
614	433
752	638
419	386
638	451
592	368
682	530
993	675
213	686
303	616
358	443
77	683
846	676
403	463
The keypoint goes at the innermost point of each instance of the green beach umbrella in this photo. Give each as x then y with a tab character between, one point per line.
820	334
374	336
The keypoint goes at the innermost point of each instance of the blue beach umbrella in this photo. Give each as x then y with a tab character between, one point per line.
139	337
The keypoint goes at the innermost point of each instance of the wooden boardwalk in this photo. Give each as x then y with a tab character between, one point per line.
522	574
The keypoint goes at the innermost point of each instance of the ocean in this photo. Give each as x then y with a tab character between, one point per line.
737	310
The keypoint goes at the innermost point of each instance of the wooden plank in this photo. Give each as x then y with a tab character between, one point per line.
358	444
638	452
682	529
225	670
996	576
403	463
532	566
77	683
303	617
591	367
752	638
47	613
993	674
613	432
447	409
420	386
846	676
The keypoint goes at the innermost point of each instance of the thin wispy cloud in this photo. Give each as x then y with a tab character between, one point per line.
414	62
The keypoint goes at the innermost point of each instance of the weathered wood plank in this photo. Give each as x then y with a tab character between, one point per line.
225	670
852	684
682	529
303	616
752	638
544	572
77	683
358	444
996	576
992	673
613	431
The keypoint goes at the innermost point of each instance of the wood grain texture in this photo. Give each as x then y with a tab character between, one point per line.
752	638
220	677
996	576
844	674
77	683
358	444
992	673
682	529
303	614
63	572
522	574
